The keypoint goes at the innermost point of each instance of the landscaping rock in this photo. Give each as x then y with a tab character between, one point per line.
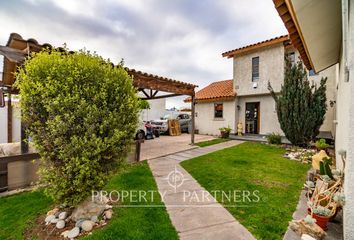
73	233
300	227
54	220
94	219
307	237
87	225
63	215
103	199
49	218
79	223
90	207
60	224
108	214
53	211
65	233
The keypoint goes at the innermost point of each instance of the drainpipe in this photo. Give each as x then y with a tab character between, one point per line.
9	118
345	31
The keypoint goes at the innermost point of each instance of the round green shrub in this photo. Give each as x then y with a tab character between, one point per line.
82	115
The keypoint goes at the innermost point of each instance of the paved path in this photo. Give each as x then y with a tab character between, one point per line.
194	213
165	145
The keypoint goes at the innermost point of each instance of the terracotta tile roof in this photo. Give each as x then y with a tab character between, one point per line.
222	90
254	46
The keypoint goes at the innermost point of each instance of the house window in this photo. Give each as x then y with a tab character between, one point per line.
218	110
291	58
312	73
255	69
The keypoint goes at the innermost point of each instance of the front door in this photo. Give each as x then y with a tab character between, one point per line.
252	118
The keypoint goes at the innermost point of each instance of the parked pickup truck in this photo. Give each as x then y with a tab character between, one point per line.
162	126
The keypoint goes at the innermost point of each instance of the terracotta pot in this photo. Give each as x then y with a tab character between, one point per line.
225	134
321	221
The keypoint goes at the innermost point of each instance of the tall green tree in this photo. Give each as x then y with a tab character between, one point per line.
301	105
82	115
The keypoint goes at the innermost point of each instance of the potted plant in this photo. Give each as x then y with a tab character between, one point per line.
322	216
225	132
321	144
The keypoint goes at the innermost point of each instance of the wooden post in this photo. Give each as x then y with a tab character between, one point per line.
138	149
24	143
193	118
9	118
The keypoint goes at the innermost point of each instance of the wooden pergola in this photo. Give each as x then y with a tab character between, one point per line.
151	86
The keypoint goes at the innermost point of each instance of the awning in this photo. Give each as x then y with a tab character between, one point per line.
315	30
12	54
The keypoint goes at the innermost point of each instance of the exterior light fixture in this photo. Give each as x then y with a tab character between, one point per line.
2	98
331	103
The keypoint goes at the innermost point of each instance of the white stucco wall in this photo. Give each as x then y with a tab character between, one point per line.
330	73
271	68
156	111
267	113
346	141
16	124
207	124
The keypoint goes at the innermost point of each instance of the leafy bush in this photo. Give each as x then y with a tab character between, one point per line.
225	132
144	104
274	138
225	129
82	115
301	107
321	144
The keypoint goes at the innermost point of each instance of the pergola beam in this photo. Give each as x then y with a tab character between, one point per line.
148	81
162	96
145	93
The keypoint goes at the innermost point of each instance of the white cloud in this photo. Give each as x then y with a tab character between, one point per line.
180	39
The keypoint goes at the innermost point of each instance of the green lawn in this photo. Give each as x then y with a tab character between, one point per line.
212	142
127	222
253	167
17	210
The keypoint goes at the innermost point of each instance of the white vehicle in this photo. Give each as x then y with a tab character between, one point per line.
162	124
141	131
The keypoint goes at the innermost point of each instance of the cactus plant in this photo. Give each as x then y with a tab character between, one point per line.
325	167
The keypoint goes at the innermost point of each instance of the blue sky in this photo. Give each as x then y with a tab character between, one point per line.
180	39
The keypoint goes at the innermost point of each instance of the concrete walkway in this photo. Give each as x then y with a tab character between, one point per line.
192	210
166	145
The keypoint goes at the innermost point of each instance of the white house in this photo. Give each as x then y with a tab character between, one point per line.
323	33
215	107
246	99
